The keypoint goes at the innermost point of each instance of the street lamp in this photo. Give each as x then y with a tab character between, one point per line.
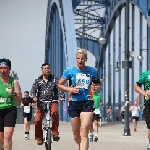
140	57
131	54
101	39
117	67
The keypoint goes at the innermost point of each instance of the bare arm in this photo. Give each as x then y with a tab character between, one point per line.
130	108
22	105
138	89
34	104
17	90
108	111
139	109
63	88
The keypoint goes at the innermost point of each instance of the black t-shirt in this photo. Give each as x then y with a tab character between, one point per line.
26	102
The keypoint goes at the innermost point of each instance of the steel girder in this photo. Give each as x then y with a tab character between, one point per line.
67	25
109	20
91	20
88	3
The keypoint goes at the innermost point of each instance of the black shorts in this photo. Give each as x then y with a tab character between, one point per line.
75	108
122	114
146	114
8	118
28	116
96	117
136	118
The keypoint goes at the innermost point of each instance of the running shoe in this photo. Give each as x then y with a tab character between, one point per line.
26	136
95	139
148	147
135	130
91	138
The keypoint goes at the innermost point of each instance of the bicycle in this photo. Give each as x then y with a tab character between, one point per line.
48	136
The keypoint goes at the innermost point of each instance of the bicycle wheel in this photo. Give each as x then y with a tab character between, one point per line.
48	140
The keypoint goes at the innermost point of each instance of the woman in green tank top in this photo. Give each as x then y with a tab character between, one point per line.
10	93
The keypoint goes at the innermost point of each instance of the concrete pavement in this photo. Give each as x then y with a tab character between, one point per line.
110	137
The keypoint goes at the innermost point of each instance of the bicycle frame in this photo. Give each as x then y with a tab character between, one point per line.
48	121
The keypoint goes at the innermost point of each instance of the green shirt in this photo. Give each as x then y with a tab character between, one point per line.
96	98
144	79
6	99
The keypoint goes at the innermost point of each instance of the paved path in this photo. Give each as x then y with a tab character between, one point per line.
110	138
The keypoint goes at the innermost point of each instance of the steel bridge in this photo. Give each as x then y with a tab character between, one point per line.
68	22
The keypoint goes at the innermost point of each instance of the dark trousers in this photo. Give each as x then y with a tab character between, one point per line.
38	121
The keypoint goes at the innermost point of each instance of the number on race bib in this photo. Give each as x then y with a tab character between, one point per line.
82	80
97	111
27	109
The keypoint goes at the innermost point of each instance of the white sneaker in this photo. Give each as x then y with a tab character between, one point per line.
26	136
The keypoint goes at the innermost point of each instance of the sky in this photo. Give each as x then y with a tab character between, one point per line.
22	37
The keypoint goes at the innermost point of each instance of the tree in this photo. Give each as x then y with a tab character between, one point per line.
14	75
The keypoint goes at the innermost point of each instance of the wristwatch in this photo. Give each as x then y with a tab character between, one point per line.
15	94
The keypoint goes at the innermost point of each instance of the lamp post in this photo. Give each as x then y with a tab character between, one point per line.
126	65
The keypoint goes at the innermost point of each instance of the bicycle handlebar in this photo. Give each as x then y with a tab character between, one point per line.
51	100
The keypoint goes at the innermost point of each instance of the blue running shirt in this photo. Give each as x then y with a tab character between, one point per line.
81	78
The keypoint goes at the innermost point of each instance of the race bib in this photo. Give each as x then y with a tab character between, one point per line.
97	111
27	109
4	100
83	80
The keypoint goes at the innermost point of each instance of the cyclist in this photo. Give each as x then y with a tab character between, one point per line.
10	93
44	86
27	103
80	107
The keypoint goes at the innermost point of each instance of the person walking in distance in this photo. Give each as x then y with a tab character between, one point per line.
135	110
10	93
26	104
109	115
122	113
144	80
43	87
83	79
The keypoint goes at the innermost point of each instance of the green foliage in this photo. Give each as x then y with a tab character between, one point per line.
14	75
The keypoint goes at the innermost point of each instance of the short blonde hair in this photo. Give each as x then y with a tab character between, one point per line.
82	51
